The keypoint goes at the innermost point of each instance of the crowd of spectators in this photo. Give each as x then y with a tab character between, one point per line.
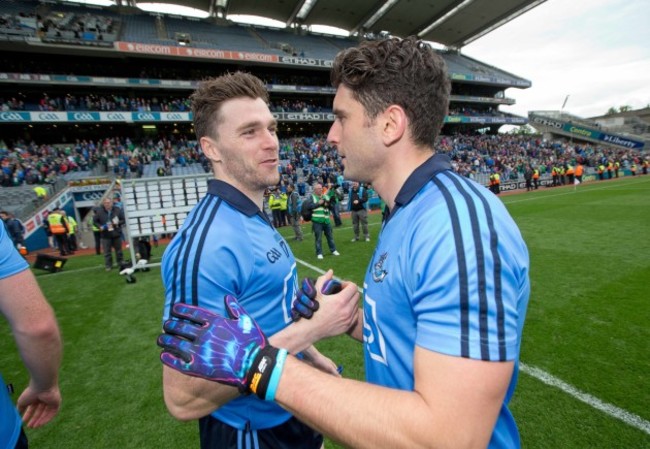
108	102
32	163
287	105
305	160
112	102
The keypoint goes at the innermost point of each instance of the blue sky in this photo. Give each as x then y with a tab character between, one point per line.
595	51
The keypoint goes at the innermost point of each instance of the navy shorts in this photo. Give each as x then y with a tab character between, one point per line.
291	434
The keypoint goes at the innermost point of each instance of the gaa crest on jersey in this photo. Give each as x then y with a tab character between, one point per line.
378	272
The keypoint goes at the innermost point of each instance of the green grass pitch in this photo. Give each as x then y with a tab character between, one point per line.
585	381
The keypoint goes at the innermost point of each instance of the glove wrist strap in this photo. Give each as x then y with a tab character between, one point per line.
265	372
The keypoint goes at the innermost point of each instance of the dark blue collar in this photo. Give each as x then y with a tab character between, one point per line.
420	176
235	198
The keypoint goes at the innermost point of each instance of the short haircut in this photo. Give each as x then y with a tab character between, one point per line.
212	93
405	72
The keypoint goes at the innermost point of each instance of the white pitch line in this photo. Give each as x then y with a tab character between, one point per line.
573	192
615	412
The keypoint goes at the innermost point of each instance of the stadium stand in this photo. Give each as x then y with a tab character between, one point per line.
74	106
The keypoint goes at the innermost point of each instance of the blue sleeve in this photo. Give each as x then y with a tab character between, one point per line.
10	261
469	282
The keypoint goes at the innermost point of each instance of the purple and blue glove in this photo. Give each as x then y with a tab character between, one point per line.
232	351
306	303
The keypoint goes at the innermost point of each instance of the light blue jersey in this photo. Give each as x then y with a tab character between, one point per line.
449	274
228	246
11	263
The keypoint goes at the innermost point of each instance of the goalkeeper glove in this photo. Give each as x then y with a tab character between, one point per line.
232	351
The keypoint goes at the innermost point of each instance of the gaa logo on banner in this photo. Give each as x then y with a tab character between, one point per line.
94	196
14	116
83	116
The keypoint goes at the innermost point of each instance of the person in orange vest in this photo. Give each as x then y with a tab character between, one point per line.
610	169
570	173
59	228
579	171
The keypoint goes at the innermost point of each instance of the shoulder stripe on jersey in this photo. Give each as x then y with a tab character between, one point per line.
496	261
197	258
462	267
480	266
188	237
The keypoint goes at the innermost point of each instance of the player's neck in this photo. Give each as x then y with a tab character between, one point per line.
402	164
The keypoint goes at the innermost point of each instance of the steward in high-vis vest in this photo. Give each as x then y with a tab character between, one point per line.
284	216
580	169
59	228
536	178
72	232
275	204
570	173
97	234
555	174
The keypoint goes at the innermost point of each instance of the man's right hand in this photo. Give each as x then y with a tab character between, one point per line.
306	303
338	310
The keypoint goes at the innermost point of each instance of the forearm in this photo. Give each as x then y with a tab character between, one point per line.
35	330
189	398
454	403
377	417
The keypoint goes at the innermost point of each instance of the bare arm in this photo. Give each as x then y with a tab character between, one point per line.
37	336
455	404
190	398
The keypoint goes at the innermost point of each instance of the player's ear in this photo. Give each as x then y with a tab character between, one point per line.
210	148
393	122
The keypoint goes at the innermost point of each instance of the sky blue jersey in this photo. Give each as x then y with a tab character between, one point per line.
449	274
228	246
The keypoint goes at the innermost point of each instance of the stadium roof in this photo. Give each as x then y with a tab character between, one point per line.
453	23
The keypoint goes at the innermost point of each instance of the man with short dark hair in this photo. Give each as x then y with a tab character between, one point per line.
445	293
320	204
109	218
228	247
